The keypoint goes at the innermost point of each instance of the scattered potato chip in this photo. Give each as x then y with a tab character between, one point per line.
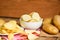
13	21
10	25
26	17
10	36
11	28
4	32
0	38
29	33
32	37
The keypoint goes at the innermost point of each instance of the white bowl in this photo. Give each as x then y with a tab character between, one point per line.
31	25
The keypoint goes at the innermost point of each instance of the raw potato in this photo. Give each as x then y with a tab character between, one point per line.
50	29
32	36
56	21
26	17
47	21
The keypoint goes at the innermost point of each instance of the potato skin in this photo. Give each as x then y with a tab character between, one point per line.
49	28
56	21
47	21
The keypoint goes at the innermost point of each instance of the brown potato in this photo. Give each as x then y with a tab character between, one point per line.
50	29
47	20
56	21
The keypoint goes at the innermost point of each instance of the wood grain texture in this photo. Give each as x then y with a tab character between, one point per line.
16	8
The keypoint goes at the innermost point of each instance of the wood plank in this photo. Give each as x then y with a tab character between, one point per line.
44	34
16	8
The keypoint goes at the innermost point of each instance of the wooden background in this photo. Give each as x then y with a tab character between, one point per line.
15	8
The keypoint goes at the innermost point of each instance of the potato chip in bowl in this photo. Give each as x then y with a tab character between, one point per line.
32	21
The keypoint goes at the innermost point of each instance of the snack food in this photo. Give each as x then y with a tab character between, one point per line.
56	21
1	24
49	28
10	36
0	38
11	28
35	16
32	34
26	17
10	25
32	21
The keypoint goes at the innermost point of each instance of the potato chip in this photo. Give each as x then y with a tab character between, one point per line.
4	32
10	25
0	38
10	36
26	17
35	16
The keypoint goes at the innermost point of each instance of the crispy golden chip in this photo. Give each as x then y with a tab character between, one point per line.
4	32
26	17
10	25
10	36
0	38
35	16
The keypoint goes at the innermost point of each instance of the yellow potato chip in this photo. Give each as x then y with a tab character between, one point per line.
26	17
10	36
10	25
35	16
0	38
4	32
13	21
32	37
29	33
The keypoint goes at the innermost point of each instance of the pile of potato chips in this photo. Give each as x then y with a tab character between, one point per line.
32	17
10	28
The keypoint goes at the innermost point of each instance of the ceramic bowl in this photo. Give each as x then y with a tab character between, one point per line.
31	25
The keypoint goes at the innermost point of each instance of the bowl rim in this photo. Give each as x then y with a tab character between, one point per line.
33	22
